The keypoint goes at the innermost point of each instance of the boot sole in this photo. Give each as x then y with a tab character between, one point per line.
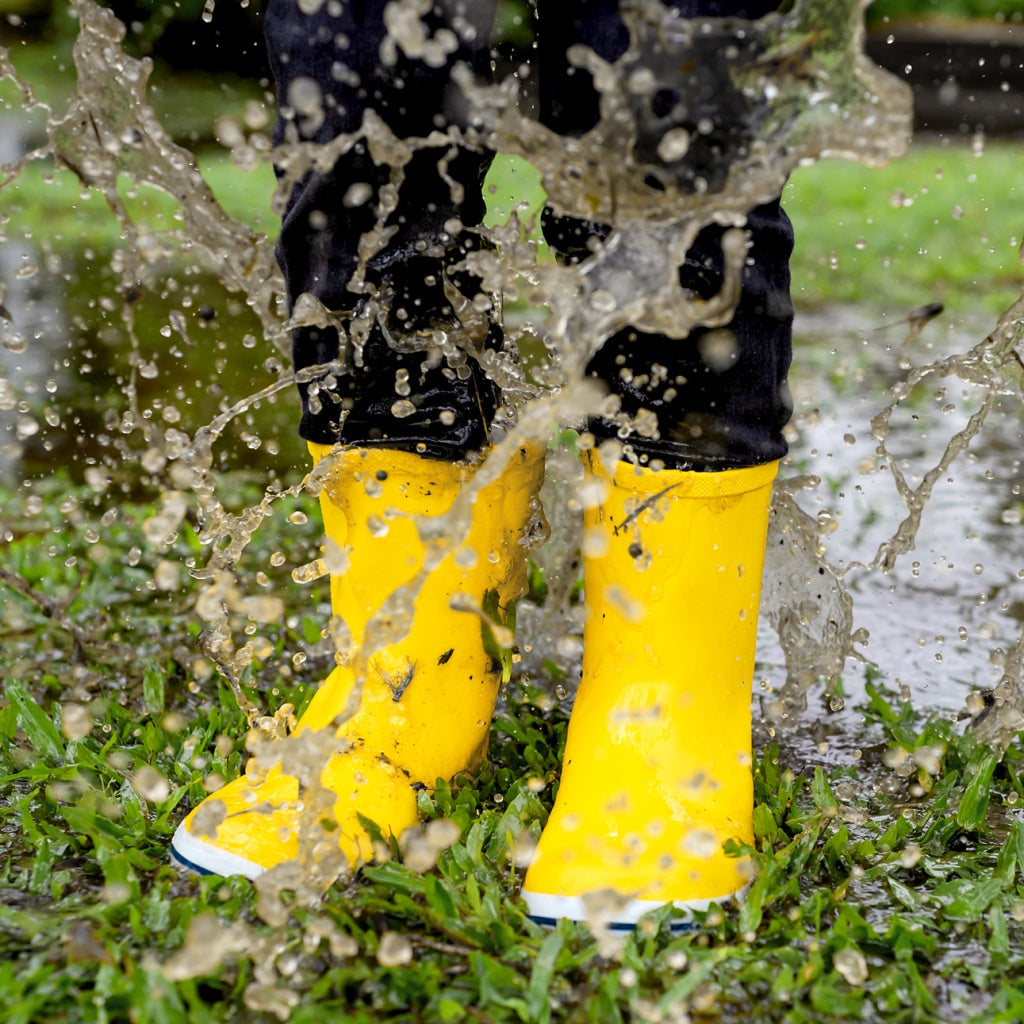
191	854
547	910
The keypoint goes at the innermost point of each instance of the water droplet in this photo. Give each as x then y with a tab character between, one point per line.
394	950
676	960
624	603
310	572
153	460
160	528
264	608
850	963
150	784
25	426
524	848
98	479
929	758
167	575
719	349
674	145
466	558
402	409
75	721
701	843
442	833
357	194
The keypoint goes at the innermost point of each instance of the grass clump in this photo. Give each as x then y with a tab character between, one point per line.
889	882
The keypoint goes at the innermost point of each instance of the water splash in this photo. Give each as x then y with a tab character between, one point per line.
797	87
805	91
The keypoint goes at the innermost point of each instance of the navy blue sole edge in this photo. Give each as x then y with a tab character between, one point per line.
180	861
676	927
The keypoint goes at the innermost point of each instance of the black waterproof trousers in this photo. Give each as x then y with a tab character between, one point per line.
332	64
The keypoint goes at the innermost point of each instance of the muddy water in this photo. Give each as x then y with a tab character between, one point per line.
934	622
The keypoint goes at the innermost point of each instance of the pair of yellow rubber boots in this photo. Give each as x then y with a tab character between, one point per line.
656	775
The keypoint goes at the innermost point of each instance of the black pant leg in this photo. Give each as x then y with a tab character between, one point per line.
720	396
331	66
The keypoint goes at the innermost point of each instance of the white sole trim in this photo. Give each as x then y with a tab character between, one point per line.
546	909
193	854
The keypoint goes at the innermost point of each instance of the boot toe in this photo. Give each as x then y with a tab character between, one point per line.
608	909
249	827
190	853
584	876
244	828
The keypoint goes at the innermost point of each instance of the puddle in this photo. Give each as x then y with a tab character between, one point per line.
938	622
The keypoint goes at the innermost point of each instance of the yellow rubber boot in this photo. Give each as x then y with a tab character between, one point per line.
657	769
427	695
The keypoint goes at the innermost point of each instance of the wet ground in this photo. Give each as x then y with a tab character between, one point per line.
939	619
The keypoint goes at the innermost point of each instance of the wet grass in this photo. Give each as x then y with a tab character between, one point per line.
889	883
944	224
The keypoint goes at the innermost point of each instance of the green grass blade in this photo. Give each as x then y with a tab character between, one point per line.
41	732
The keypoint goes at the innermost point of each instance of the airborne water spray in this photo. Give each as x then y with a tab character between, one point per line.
817	96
